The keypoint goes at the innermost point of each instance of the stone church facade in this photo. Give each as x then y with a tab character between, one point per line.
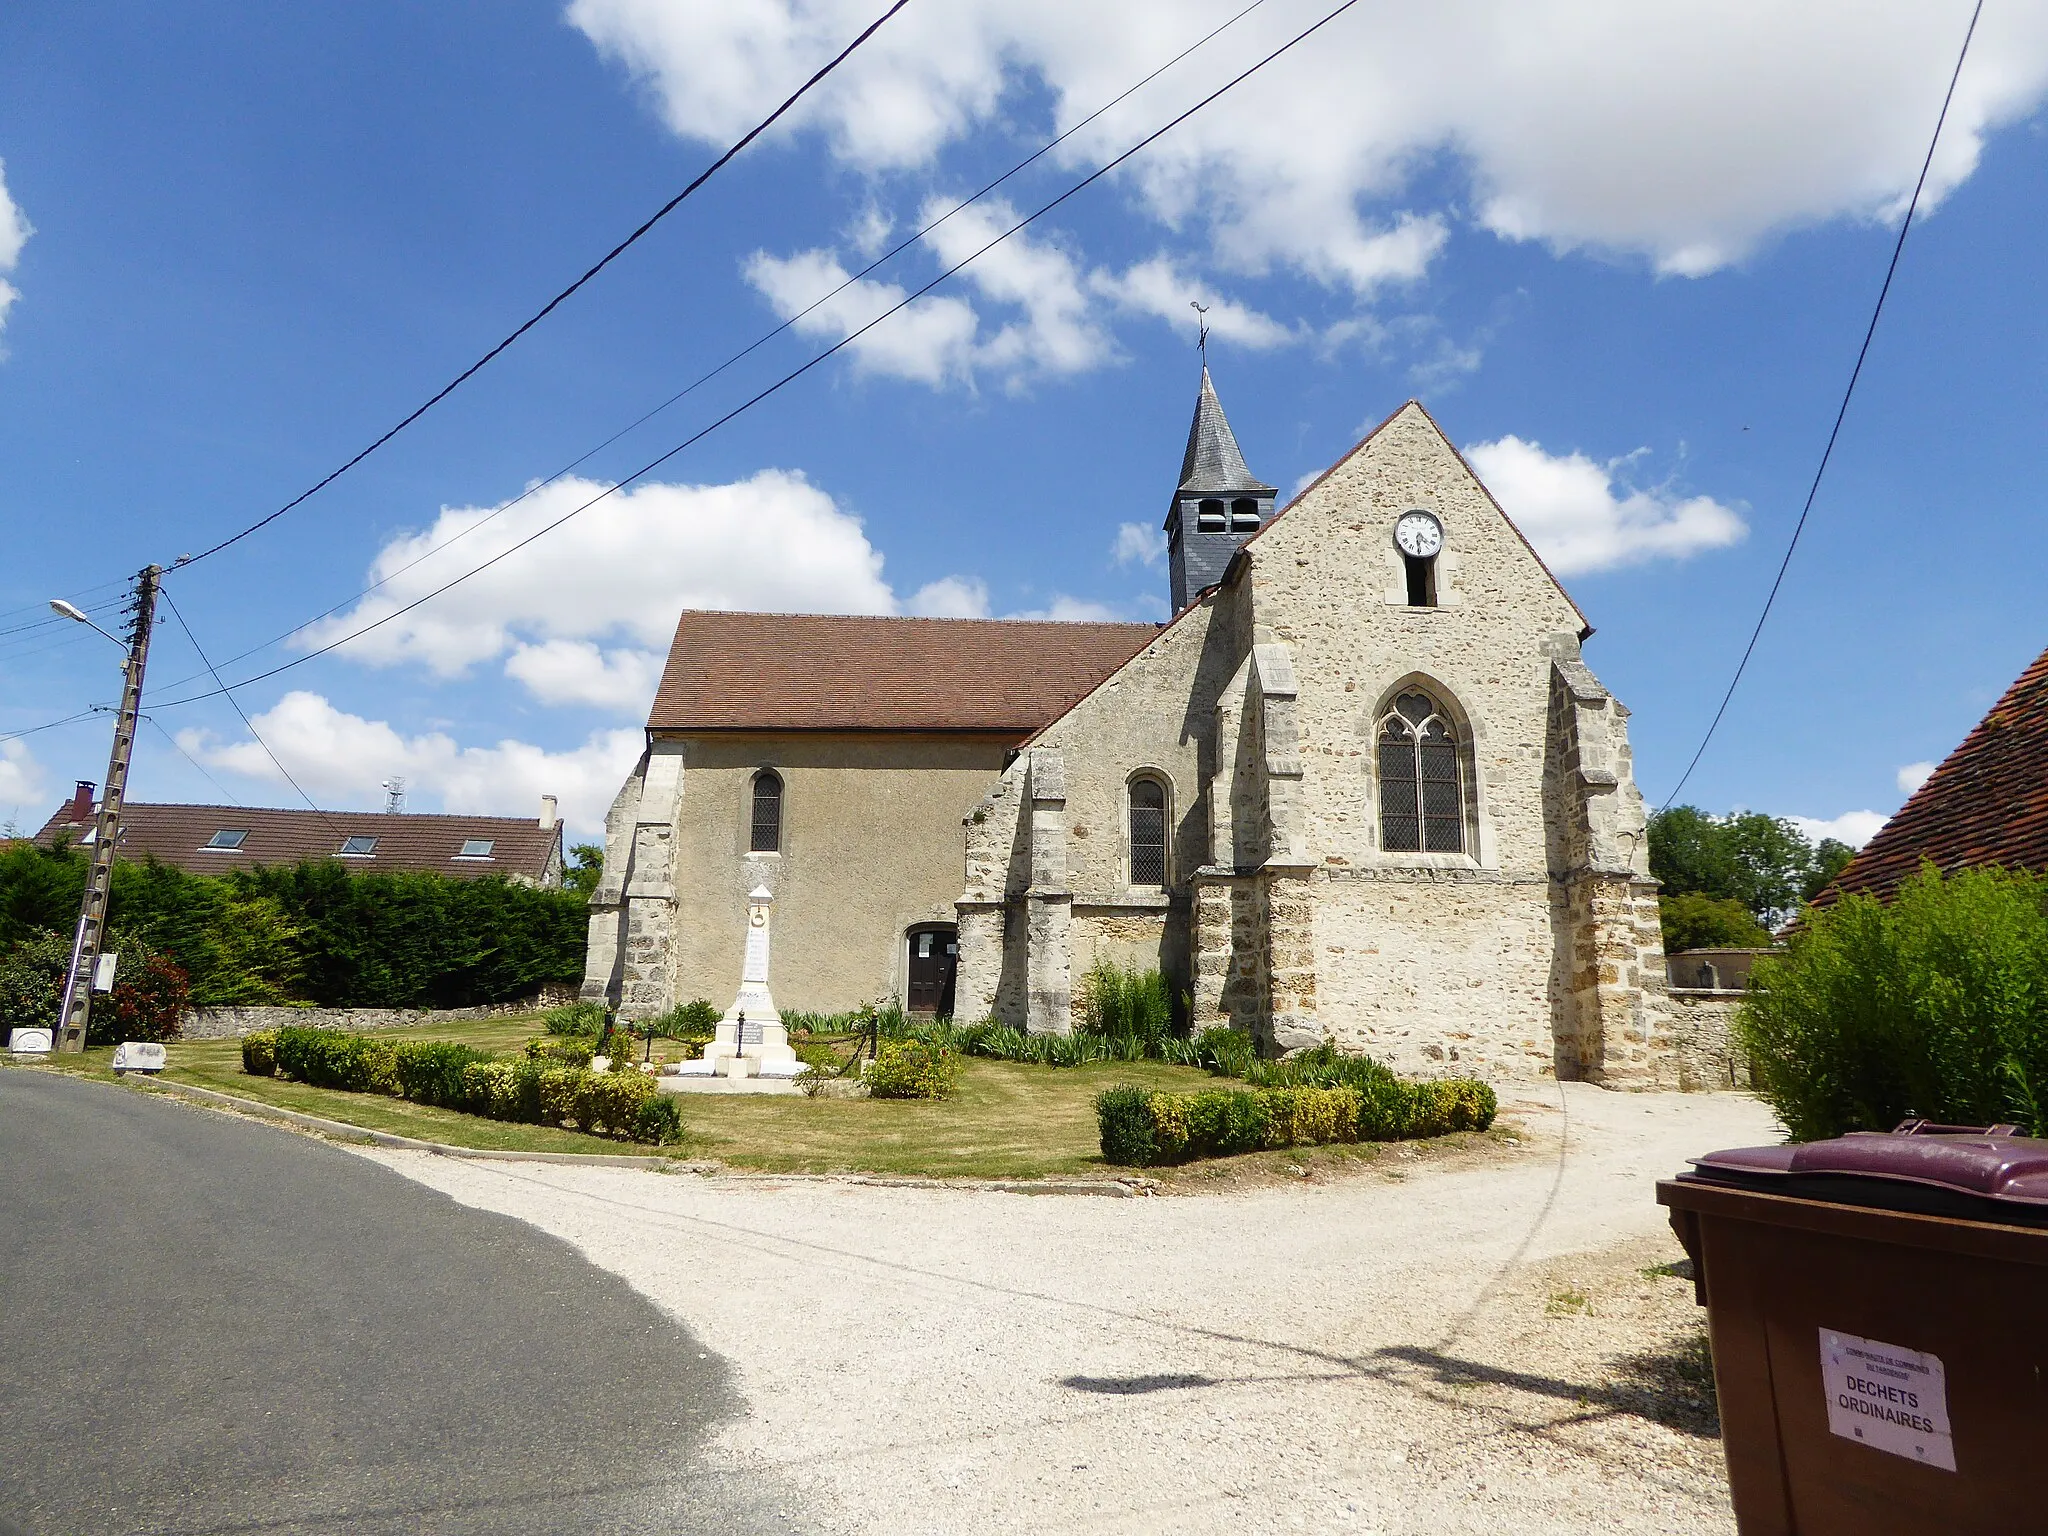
1362	786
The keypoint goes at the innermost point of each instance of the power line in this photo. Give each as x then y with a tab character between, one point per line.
51	725
548	308
751	347
788	378
1898	247
119	584
258	735
180	747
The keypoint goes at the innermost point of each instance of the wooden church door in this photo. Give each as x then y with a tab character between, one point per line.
934	957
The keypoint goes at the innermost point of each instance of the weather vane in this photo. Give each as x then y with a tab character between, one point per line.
1202	341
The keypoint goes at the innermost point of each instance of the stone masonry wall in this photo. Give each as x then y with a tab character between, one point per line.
1703	1033
230	1023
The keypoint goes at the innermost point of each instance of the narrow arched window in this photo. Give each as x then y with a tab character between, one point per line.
1244	514
767	823
1148	833
1209	516
1422	786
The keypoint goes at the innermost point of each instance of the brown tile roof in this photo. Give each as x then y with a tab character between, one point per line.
175	834
1986	804
781	671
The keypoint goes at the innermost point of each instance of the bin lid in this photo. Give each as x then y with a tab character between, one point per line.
1948	1170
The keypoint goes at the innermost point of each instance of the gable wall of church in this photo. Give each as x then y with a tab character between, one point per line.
1425	959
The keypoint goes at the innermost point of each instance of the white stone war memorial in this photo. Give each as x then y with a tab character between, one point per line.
751	1049
1362	785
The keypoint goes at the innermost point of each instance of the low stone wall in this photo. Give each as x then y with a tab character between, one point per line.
229	1023
1702	1028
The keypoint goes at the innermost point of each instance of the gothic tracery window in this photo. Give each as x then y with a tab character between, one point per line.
1422	789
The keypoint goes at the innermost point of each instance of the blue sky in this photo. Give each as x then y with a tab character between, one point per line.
1625	262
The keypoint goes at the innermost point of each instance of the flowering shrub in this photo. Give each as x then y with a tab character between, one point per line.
911	1069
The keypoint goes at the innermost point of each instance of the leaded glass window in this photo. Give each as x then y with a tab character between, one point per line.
1148	832
1422	789
767	823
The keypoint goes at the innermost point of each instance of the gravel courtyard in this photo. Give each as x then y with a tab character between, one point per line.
1472	1344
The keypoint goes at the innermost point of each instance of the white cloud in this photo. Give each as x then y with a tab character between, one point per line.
870	232
620	573
931	342
1580	520
1087	610
1055	333
938	340
342	758
1852	827
21	783
1913	775
14	232
951	597
1160	287
1685	134
578	672
1138	544
584	615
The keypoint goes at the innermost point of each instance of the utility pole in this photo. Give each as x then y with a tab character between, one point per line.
92	911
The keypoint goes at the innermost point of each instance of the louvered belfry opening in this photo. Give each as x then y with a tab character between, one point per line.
1422	791
1148	833
767	827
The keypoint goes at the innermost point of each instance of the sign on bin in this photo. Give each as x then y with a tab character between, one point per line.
1889	1398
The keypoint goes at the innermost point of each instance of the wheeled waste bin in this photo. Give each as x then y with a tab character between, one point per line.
1878	1306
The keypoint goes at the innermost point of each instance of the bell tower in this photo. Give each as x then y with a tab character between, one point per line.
1218	506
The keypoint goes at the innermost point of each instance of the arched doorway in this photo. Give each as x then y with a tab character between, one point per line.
934	950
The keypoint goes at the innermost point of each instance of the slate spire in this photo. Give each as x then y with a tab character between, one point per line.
1218	505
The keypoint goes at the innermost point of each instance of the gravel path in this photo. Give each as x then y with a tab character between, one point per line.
1409	1348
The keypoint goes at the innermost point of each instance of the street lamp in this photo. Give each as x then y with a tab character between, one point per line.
73	611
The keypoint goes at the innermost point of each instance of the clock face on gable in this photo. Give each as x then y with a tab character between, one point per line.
1418	534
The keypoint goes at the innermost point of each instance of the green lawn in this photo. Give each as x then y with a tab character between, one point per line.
1004	1121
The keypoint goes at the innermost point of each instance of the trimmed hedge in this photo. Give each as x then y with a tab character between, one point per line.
528	1089
259	1053
562	1053
1141	1129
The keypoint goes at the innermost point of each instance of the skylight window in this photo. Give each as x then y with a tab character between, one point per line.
477	848
226	840
359	848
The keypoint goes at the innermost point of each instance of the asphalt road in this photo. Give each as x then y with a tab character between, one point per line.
210	1325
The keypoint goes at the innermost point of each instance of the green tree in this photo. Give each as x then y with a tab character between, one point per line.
1693	921
1763	862
1690	853
586	868
32	981
1830	858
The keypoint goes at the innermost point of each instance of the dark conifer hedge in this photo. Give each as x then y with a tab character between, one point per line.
315	932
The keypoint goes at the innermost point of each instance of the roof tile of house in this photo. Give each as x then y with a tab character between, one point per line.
779	671
1986	804
178	834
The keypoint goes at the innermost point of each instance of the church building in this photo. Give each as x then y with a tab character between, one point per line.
1361	786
